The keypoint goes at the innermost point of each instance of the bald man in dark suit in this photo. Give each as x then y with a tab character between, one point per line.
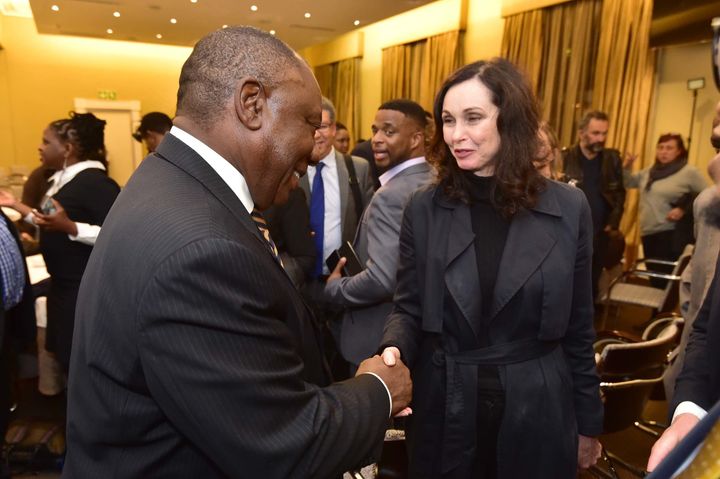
194	356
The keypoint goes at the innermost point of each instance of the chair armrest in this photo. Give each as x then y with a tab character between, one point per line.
652	274
661	261
616	334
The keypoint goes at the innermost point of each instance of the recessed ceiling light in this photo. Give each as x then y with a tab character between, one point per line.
109	30
158	36
253	8
173	21
272	32
193	1
356	22
307	14
116	14
55	8
225	26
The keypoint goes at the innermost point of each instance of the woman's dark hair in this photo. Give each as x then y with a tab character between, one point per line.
86	132
664	138
518	182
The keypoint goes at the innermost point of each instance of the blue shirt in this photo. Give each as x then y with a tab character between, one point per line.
12	271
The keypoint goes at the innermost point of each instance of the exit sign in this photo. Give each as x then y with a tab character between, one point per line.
107	94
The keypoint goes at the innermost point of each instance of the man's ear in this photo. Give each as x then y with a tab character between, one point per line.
250	102
418	138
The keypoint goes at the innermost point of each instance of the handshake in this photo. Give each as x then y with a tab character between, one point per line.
396	376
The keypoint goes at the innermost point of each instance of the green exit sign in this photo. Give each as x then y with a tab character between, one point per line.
107	94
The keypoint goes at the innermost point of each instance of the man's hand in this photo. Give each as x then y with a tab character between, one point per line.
396	378
675	214
337	272
670	438
58	221
588	451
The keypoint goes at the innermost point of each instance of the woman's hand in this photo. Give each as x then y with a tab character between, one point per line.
7	199
57	221
390	356
588	451
629	160
675	214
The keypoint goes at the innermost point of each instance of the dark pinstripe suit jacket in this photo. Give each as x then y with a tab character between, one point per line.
194	356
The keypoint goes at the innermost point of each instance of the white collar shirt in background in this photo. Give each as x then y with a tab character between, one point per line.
393	172
332	230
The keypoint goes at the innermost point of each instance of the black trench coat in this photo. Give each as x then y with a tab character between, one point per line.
540	324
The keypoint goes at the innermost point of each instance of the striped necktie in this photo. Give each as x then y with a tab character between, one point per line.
263	227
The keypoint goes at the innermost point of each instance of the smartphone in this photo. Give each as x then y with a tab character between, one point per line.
352	265
48	207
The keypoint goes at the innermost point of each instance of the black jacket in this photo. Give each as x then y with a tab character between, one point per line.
542	298
613	188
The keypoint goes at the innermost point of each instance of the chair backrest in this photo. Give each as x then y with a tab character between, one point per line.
672	288
642	359
624	402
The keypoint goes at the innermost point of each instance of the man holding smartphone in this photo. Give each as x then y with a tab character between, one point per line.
398	145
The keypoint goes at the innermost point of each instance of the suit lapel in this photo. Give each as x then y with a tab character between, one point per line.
530	239
181	155
305	185
344	185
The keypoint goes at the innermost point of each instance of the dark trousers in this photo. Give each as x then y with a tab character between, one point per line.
659	246
600	244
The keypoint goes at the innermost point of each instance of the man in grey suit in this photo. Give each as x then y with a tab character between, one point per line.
194	356
398	144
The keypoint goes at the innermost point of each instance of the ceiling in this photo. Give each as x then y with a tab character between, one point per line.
145	20
682	21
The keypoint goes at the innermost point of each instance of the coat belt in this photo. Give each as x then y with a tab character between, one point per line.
461	390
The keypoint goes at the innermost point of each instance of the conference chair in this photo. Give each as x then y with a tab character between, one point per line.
624	290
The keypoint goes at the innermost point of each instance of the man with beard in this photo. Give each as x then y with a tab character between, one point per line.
194	354
398	143
597	171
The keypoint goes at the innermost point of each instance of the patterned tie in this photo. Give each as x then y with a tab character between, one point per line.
263	227
317	217
706	464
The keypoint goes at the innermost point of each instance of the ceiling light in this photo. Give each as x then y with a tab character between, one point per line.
253	8
173	21
193	1
356	22
272	32
55	8
225	26
116	14
307	14
158	36
109	30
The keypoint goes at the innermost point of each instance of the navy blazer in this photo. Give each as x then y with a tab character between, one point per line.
194	355
542	296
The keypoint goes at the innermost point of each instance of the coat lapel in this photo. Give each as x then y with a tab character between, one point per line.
530	239
461	275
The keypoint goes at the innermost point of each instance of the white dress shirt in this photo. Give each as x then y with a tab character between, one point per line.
332	223
227	172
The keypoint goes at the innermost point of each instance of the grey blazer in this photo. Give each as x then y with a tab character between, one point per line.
347	202
367	296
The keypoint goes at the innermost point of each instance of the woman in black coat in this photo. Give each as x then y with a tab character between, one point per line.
493	310
72	212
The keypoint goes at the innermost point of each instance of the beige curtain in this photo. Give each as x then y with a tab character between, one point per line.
340	82
556	46
416	70
623	86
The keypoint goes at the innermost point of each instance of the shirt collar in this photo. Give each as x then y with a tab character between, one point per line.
393	172
227	172
329	159
62	177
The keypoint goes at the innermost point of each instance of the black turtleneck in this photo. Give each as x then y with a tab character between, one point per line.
491	230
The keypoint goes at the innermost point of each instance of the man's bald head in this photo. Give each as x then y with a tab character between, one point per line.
209	76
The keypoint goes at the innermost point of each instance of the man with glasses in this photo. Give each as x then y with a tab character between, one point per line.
338	188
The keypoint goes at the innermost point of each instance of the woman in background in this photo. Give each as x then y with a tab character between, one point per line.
72	212
548	153
667	191
493	310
